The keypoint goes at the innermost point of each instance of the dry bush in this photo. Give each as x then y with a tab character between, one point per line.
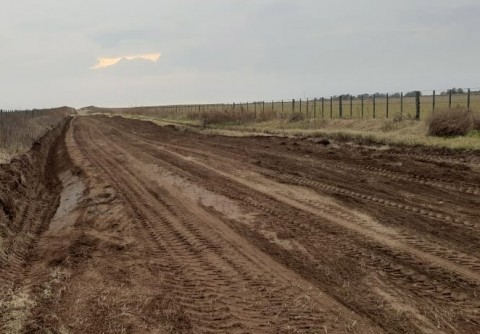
295	117
20	129
476	121
229	115
449	123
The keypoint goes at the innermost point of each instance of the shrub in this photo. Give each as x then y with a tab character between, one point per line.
449	123
295	117
476	121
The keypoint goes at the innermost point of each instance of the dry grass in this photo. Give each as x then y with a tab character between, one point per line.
401	130
450	123
20	129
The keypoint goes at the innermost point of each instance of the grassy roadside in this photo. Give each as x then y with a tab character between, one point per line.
379	131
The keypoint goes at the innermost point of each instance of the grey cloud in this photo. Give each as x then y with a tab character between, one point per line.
236	50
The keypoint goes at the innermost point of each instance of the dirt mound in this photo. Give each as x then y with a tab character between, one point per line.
28	196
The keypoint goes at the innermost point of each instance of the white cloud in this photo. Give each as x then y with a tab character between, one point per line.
107	62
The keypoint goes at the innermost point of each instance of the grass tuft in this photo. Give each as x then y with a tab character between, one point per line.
450	123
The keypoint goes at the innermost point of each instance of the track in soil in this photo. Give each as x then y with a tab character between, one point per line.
259	235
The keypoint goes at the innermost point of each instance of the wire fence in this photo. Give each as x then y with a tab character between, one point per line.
412	105
20	128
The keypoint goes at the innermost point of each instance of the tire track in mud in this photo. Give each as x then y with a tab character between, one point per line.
401	274
175	231
469	189
470	262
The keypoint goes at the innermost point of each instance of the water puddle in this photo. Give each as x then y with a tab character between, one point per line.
73	189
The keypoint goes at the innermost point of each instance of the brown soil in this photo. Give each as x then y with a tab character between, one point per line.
121	226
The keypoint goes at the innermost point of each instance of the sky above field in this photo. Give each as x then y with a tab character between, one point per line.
126	53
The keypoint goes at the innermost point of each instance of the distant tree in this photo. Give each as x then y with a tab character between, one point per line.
412	94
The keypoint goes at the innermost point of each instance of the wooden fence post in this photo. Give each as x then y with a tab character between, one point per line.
373	105
314	107
307	108
417	104
401	104
468	98
433	101
387	105
331	106
340	106
449	98
351	106
323	107
300	102
293	106
363	103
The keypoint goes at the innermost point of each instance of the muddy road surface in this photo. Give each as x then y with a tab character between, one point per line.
160	230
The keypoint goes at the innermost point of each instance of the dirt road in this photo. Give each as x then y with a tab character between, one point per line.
160	230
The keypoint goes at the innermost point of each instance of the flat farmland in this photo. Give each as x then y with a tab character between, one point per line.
161	230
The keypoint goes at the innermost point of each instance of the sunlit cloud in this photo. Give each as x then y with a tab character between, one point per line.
107	62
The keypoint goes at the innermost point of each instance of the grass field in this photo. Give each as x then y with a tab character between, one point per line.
269	119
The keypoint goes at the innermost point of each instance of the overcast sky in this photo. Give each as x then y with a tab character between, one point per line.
124	53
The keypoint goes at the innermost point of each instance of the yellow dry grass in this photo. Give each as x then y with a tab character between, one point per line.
381	131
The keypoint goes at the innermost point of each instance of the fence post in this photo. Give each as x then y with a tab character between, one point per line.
307	108
373	105
331	106
323	107
247	106
363	100
315	108
263	108
468	99
351	106
401	104
449	98
387	105
282	107
433	102
255	108
293	106
340	106
417	103
300	103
